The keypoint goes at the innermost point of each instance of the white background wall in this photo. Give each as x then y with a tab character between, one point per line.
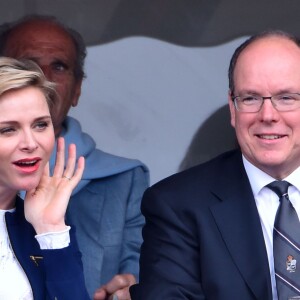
145	98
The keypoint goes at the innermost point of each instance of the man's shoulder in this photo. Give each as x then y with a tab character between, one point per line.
115	159
205	173
198	184
98	162
120	164
124	177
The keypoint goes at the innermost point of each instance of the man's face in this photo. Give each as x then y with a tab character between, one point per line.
53	50
269	139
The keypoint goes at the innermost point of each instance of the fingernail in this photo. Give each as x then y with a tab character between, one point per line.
115	297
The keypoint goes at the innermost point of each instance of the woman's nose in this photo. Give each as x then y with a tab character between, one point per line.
28	142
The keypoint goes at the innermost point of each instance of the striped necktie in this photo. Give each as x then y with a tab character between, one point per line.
286	244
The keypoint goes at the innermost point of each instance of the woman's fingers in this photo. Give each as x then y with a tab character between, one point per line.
68	171
46	171
77	175
71	162
80	168
60	158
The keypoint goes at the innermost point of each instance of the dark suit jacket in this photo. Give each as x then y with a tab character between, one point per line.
203	238
57	273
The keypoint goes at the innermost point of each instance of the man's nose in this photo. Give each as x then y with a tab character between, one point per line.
268	112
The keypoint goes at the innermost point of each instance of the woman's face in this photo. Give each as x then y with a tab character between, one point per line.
26	138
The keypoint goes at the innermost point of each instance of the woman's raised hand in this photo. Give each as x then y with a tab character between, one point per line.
46	205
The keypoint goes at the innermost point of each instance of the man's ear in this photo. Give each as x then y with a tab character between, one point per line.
77	92
232	109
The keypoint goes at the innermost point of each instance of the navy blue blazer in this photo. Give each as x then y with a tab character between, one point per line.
53	274
203	237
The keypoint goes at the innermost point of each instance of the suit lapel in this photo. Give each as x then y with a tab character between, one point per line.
238	221
25	247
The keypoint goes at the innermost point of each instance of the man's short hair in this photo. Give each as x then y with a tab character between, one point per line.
249	41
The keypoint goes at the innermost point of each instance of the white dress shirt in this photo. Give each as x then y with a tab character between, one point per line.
267	203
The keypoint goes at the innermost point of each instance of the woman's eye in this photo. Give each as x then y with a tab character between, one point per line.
7	130
41	125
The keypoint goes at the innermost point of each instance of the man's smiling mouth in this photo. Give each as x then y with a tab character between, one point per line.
270	136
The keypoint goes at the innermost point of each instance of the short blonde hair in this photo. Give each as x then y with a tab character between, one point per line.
18	74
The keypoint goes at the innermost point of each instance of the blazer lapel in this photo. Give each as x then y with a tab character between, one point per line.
238	221
26	248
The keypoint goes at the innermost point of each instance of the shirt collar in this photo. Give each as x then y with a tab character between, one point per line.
294	178
259	179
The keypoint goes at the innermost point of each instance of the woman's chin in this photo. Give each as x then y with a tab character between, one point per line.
28	186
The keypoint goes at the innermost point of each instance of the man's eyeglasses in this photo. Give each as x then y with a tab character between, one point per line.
253	103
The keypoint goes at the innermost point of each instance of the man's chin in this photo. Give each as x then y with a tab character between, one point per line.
277	168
